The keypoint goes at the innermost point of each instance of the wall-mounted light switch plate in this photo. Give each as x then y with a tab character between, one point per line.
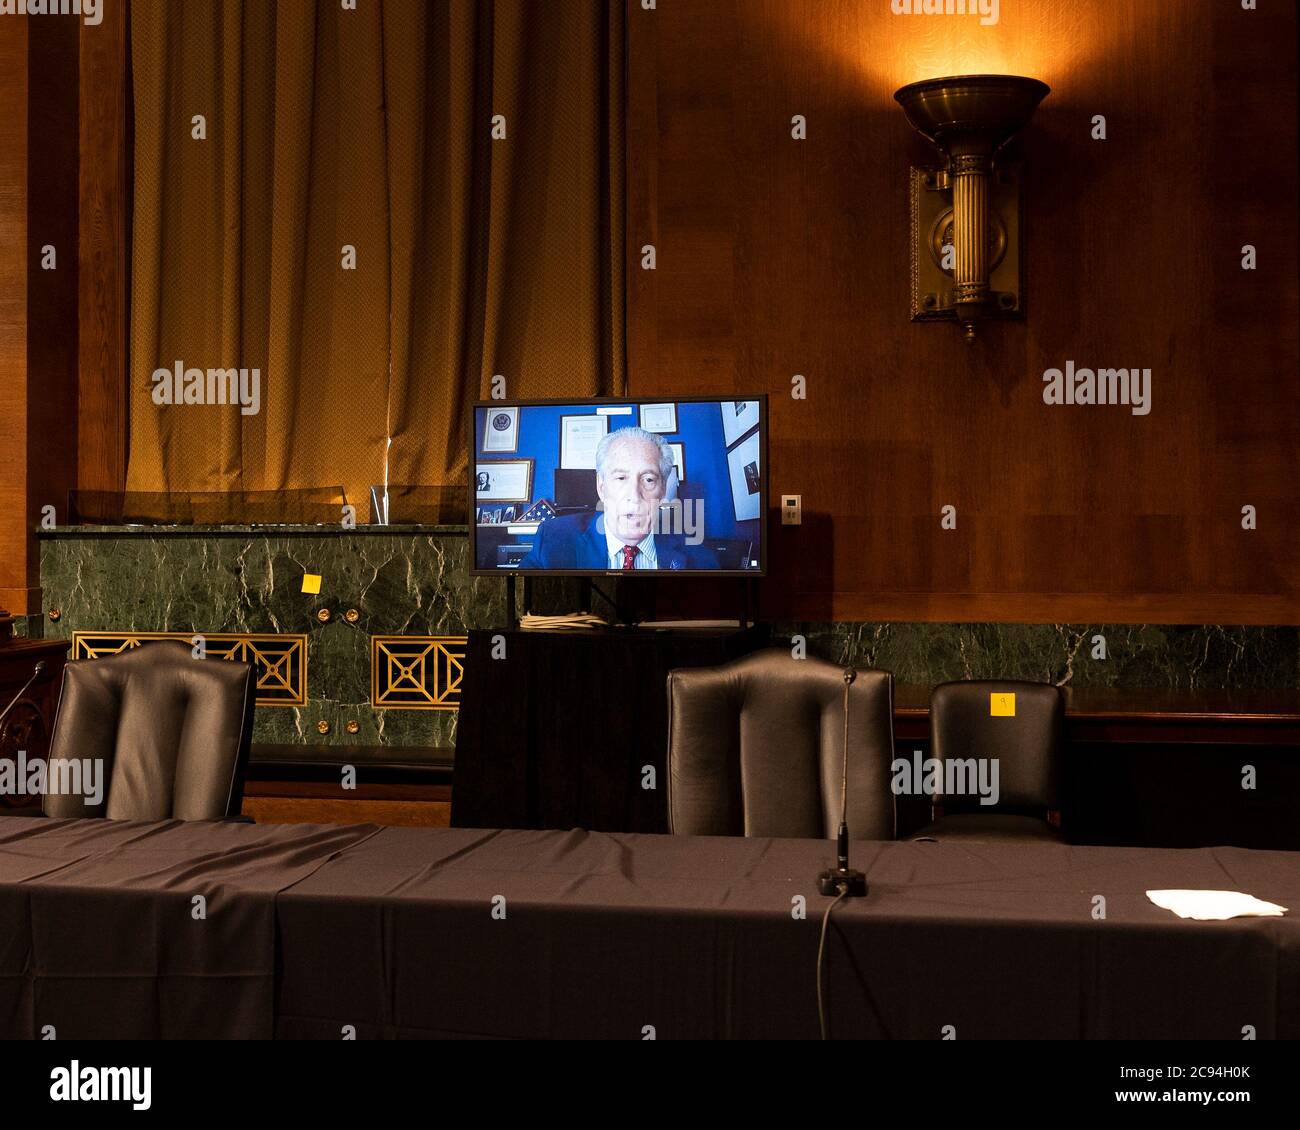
791	509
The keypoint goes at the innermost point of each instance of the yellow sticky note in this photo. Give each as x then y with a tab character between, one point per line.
1002	705
311	584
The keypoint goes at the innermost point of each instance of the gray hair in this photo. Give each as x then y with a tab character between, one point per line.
622	435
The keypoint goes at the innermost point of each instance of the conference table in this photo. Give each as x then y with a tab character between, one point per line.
231	930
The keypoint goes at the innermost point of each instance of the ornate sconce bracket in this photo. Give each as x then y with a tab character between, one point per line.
934	283
966	222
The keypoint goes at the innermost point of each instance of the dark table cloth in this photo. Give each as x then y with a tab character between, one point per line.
463	932
101	938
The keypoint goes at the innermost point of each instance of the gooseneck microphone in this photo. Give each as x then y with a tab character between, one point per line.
37	672
843	881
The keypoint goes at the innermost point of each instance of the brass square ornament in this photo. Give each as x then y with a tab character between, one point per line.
278	658
416	672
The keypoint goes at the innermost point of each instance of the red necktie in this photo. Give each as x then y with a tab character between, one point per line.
629	555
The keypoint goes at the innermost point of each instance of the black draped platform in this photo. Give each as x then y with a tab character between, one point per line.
557	729
312	931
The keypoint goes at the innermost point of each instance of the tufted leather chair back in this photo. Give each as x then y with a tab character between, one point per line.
172	733
755	748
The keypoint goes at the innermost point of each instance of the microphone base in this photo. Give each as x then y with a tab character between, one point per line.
854	883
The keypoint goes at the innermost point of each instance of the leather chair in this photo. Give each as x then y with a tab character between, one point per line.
1027	746
755	748
173	733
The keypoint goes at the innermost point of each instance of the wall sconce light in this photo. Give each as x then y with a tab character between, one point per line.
966	215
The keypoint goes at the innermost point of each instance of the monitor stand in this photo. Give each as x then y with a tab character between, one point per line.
627	599
627	609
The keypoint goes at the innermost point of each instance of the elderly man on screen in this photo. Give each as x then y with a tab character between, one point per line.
633	468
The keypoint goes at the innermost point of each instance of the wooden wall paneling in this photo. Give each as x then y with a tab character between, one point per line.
779	257
105	251
309	802
15	593
52	307
40	84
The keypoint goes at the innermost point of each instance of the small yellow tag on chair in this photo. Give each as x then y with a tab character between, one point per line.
1002	705
311	584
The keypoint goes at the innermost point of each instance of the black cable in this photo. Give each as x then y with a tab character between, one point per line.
821	955
603	595
612	601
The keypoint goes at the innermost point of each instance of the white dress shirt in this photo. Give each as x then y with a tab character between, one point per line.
645	559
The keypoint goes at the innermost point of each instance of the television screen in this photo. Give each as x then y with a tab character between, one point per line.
606	486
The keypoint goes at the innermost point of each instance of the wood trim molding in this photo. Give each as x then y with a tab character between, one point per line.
105	200
39	289
1045	608
14	555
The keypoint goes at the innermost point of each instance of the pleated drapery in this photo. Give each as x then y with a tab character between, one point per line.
378	209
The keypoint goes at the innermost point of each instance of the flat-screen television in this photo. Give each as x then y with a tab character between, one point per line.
619	486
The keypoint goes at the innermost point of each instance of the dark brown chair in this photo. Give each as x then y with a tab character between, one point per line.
755	748
966	724
172	732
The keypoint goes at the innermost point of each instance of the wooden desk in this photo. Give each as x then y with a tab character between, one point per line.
302	784
1112	714
1164	767
1159	768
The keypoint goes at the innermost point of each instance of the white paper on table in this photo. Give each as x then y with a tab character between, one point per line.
1214	906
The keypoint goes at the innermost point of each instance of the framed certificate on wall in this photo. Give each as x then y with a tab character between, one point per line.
503	480
579	438
660	418
501	430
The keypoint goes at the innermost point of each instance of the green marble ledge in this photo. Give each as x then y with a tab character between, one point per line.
415	580
1136	655
243	580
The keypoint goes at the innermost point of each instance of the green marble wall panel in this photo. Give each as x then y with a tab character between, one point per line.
401	582
1136	655
416	581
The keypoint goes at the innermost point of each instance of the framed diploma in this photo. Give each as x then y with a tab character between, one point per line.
579	437
501	430
503	480
660	418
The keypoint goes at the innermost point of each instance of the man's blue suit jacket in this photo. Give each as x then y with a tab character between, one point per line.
577	541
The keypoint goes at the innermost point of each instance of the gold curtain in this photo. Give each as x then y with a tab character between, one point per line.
371	129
